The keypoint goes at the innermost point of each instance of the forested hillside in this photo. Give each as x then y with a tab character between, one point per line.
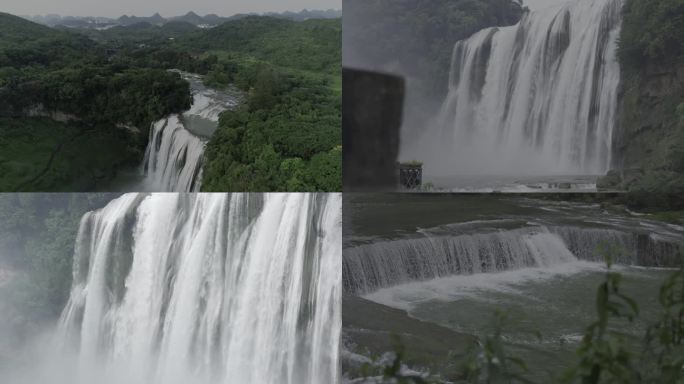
70	73
114	83
287	136
308	45
62	98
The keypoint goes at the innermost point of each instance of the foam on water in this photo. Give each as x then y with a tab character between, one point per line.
408	296
439	254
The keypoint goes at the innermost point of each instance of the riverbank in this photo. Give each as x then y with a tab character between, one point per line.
372	329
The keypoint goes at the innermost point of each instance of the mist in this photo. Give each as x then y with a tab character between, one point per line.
367	42
131	274
166	8
496	89
395	38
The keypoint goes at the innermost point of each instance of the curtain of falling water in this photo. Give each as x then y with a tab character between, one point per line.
539	97
369	267
208	288
173	158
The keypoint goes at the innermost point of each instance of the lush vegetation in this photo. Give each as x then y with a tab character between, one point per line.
312	45
93	94
605	355
287	135
40	154
418	36
653	30
69	73
651	137
93	90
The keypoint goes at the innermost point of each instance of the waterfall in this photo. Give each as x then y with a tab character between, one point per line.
173	158
207	288
539	97
369	267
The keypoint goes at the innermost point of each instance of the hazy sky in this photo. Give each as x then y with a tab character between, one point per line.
115	8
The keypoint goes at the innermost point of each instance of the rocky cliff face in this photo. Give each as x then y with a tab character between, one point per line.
650	122
648	144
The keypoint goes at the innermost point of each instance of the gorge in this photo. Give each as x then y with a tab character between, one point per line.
77	104
173	158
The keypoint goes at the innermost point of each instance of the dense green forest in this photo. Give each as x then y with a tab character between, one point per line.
98	82
287	136
46	73
417	37
37	237
67	72
650	142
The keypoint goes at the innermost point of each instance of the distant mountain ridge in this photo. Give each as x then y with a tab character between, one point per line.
16	31
206	21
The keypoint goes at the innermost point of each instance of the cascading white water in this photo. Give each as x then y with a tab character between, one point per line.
382	264
173	158
369	267
207	288
539	97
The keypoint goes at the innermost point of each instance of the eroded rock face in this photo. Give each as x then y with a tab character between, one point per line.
648	123
649	136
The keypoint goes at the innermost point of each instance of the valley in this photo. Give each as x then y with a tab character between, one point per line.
113	84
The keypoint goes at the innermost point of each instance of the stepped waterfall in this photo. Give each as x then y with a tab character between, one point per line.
173	158
207	288
369	267
539	97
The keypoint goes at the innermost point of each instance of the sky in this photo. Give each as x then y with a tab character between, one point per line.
116	8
